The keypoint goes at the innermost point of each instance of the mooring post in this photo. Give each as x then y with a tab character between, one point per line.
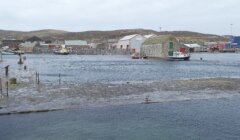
38	79
1	86
6	70
20	59
59	78
7	88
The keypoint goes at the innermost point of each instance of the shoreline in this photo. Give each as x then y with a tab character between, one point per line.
28	98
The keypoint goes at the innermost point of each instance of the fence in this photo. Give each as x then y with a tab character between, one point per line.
8	78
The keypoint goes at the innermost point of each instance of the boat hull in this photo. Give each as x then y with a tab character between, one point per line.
61	53
7	53
186	58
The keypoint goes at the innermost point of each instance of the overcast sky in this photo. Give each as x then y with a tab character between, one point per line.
206	16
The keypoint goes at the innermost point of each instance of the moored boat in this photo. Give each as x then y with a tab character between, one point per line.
62	51
179	56
138	56
7	53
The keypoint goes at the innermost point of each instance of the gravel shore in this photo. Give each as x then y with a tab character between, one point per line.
26	98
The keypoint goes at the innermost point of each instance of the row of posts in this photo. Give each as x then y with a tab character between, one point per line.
7	83
38	78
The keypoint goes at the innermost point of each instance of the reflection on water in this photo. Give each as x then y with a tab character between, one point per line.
82	69
197	119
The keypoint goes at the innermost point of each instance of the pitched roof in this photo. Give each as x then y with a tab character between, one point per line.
149	36
33	39
160	39
75	42
128	37
192	45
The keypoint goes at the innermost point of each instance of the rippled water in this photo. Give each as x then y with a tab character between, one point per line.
215	119
211	119
81	68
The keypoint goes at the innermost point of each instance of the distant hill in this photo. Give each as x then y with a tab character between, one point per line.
98	36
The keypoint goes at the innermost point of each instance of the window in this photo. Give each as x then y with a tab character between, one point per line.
170	53
170	45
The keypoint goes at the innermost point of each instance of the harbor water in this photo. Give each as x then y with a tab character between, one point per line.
201	118
85	69
215	119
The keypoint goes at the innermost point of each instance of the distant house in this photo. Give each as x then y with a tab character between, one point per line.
112	43
162	47
131	42
27	47
11	43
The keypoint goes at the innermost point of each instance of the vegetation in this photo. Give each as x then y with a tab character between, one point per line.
99	36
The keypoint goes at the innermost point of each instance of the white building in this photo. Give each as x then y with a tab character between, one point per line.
131	42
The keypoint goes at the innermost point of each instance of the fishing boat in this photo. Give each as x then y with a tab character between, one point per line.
7	52
179	56
62	51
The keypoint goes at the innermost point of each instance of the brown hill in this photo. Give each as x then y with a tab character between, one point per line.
97	36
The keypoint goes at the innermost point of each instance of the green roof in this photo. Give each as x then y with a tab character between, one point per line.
75	42
160	39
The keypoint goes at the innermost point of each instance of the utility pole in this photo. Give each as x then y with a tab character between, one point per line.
231	37
231	29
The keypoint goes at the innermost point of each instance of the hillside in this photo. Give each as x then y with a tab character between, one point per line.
96	36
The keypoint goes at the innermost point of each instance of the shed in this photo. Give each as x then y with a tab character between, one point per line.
162	47
131	42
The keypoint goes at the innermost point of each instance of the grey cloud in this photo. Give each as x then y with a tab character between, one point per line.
205	16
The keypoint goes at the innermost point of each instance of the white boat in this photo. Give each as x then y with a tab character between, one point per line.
7	53
179	56
62	51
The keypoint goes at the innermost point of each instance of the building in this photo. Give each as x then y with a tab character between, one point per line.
236	40
196	48
27	47
131	42
162	47
76	44
12	43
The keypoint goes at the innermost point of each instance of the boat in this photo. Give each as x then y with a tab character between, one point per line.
179	56
62	51
138	56
7	53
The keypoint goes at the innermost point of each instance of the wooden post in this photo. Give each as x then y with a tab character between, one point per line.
20	59
38	79
1	57
7	88
1	90
6	70
59	78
